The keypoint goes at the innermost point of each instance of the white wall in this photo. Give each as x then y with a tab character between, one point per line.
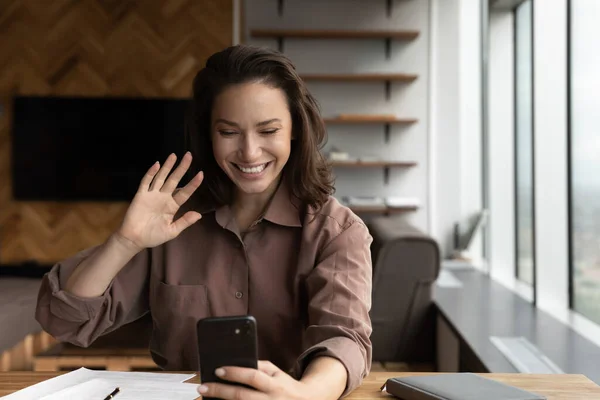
446	142
550	138
456	178
354	56
501	143
446	155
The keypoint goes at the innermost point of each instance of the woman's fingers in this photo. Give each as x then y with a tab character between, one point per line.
162	174
268	367
185	221
248	376
182	195
173	179
147	178
229	392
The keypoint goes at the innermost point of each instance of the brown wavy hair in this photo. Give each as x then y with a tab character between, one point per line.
307	172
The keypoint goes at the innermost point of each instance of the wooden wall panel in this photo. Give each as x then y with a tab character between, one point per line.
146	48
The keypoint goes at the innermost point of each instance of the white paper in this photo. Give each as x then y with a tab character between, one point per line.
132	390
82	375
92	389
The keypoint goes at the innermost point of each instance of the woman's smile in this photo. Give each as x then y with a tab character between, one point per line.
255	171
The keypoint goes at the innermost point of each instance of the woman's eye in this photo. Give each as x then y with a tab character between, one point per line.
269	131
227	133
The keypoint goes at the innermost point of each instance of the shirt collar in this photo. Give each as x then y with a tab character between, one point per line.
283	209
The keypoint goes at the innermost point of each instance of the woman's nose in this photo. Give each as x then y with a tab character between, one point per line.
249	148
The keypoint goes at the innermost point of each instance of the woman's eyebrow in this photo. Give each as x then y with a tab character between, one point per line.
262	123
267	122
226	122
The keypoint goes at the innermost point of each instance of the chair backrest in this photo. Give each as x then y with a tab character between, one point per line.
406	263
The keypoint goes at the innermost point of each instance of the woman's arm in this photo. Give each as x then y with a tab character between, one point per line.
339	301
81	316
107	286
325	378
92	277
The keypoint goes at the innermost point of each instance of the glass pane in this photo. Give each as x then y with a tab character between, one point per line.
585	156
524	136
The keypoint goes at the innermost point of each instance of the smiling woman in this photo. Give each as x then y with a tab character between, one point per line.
272	107
255	231
253	150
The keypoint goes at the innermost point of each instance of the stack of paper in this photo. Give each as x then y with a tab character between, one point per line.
88	384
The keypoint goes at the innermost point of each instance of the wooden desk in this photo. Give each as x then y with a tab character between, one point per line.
554	387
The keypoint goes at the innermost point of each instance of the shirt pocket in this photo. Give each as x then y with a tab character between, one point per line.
179	300
175	311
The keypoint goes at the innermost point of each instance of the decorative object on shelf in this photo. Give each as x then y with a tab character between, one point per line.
336	154
464	238
368	201
378	205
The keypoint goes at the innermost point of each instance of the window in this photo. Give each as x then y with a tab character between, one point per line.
524	142
584	154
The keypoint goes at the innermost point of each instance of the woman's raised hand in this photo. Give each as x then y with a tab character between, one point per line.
149	221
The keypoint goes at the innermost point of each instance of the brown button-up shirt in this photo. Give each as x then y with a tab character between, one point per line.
304	276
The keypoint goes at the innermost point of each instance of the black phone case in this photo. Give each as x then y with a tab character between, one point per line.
226	341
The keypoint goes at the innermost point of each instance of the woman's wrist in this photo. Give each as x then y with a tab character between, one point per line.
123	244
324	378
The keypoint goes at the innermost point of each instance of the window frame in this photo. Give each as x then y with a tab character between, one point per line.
516	146
570	252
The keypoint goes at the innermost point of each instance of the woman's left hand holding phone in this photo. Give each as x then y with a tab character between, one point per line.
269	383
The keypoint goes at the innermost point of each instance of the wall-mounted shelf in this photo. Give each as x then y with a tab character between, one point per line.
382	210
373	164
388	7
335	34
362	77
388	36
369	119
386	165
357	119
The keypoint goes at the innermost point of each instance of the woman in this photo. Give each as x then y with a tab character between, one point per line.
260	235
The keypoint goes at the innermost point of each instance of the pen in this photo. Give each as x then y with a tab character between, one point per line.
113	394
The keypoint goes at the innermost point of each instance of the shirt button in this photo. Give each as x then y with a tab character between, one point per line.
239	295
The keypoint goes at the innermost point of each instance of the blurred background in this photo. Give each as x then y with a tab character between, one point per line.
464	132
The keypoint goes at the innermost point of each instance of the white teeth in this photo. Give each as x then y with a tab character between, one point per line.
253	170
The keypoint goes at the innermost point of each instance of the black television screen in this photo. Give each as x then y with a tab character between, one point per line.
90	149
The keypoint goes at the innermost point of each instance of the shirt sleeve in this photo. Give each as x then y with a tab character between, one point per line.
79	320
339	301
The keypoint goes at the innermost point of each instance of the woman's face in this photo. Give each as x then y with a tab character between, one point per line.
251	130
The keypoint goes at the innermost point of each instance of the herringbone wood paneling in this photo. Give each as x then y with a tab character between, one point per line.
146	48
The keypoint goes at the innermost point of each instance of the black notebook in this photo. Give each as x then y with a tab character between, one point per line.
457	386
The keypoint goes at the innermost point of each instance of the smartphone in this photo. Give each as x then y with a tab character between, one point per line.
226	341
